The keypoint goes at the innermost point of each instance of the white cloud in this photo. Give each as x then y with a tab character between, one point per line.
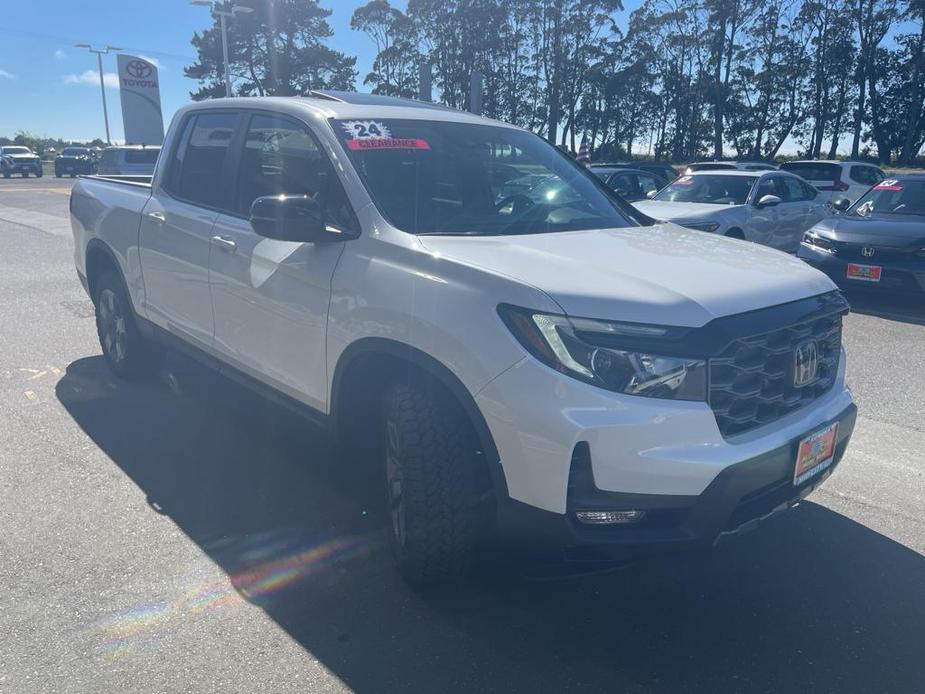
4	75
110	79
154	61
60	55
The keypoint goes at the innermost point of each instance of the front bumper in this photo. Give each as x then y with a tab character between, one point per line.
897	276
738	498
23	167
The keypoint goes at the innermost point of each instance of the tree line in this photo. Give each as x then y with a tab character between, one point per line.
677	79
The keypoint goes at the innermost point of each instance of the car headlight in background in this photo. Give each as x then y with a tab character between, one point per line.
709	227
810	238
584	349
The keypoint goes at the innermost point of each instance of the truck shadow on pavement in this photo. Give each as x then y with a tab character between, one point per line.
812	601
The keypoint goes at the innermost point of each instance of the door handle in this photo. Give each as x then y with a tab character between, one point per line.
225	243
158	217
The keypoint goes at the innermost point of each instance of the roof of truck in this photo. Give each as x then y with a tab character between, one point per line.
349	105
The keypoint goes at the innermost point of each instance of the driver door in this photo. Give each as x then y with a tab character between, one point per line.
271	297
763	221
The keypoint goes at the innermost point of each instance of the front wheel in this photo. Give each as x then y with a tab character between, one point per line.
128	354
436	499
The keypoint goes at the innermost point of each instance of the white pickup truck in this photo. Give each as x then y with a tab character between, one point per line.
557	373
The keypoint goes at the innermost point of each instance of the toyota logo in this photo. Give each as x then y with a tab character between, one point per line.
867	252
139	69
805	364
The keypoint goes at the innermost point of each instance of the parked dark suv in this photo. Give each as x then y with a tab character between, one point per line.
75	160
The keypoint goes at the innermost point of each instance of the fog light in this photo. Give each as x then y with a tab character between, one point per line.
609	517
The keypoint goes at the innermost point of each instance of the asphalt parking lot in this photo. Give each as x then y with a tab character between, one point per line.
183	535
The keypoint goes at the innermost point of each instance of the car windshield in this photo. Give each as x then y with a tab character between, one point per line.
434	177
892	196
710	167
16	150
74	151
713	189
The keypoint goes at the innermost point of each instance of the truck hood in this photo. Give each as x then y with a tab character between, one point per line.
662	274
671	211
17	157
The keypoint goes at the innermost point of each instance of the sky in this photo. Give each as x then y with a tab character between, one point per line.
50	88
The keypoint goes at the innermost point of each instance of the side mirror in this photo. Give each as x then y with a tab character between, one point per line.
292	218
769	201
841	204
651	194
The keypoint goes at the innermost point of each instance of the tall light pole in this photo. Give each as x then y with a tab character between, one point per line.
100	52
222	16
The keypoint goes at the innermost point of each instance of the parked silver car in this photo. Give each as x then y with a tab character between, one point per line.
128	160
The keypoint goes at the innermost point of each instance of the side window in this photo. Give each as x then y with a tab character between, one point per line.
282	158
647	184
809	191
623	183
199	161
766	187
795	190
867	175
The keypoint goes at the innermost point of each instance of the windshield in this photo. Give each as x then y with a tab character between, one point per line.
16	150
713	189
434	177
74	152
892	196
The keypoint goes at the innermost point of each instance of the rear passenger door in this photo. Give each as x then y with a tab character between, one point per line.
271	297
176	227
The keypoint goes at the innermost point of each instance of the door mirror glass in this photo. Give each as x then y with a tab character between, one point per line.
768	201
841	204
651	194
291	218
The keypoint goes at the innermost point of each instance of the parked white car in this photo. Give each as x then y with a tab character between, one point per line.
551	369
773	209
838	179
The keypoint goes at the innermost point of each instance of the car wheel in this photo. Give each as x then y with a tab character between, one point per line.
39	174
7	174
128	354
73	175
436	516
58	174
25	174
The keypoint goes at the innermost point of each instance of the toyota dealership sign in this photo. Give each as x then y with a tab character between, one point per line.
140	91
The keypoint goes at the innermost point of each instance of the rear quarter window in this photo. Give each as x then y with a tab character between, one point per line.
141	156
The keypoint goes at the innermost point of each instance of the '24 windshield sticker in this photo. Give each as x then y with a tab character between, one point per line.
888	184
371	134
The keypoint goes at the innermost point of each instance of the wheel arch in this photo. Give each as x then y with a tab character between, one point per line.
735	232
384	360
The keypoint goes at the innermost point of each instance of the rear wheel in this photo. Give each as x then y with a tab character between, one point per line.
436	504
25	174
128	354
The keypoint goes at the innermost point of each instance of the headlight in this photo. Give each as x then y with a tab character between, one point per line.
585	349
709	227
811	239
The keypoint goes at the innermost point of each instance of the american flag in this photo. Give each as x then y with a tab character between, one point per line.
584	156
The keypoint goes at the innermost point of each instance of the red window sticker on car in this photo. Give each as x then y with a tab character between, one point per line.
387	143
684	181
888	184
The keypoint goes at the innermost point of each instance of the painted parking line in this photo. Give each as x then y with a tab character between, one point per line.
55	225
23	189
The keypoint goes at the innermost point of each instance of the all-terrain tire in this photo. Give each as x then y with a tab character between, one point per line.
127	352
437	510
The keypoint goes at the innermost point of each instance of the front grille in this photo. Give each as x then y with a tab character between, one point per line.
852	251
752	380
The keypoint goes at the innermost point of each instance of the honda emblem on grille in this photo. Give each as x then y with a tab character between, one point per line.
805	364
867	252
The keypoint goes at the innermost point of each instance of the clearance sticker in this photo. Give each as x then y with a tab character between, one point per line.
371	134
684	181
367	143
888	184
